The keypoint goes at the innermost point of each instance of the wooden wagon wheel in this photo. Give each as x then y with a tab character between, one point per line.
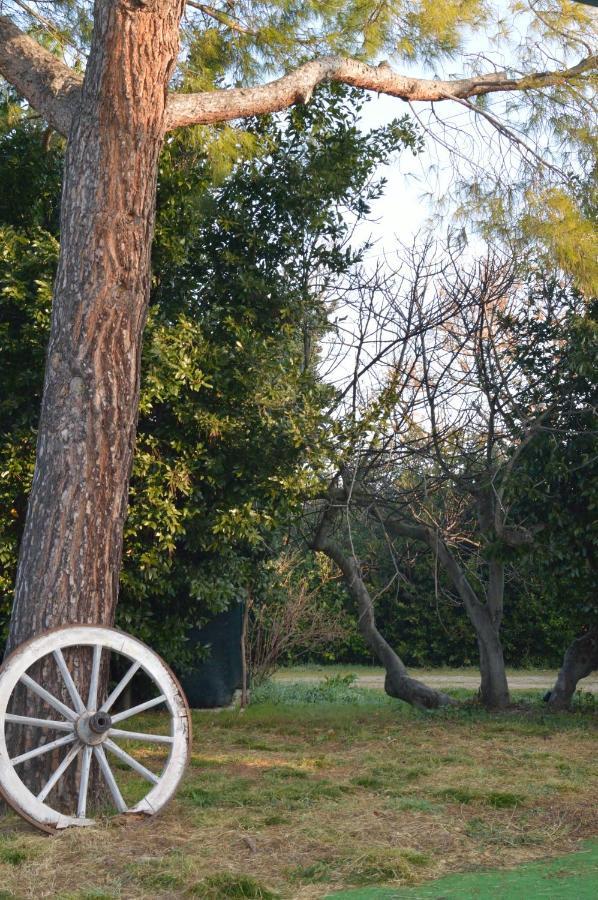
84	729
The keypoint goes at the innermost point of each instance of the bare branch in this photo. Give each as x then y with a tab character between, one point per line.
221	17
298	86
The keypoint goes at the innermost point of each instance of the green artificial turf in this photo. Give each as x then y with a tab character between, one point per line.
570	877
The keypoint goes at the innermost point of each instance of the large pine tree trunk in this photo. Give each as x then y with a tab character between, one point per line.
71	549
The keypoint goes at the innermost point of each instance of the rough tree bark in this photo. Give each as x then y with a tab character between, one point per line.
397	683
70	552
581	659
71	548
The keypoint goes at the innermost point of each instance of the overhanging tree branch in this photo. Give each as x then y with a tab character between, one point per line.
297	87
50	86
54	89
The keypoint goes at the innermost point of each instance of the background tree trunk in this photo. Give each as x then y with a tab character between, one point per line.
580	660
71	550
485	617
494	687
397	683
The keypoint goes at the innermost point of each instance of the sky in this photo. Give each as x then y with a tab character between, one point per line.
417	184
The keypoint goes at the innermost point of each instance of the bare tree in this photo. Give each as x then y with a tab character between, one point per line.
443	418
375	355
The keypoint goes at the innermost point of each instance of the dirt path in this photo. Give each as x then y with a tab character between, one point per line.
517	682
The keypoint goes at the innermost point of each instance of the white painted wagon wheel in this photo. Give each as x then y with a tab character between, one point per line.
87	731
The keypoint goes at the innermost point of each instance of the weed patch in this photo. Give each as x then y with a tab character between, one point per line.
378	867
12	855
235	887
162	873
501	834
503	800
91	893
286	772
458	795
320	872
416	804
339	690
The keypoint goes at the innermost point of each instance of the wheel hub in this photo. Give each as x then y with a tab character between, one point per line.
93	728
100	722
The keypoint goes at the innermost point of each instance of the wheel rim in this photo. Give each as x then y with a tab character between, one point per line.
86	731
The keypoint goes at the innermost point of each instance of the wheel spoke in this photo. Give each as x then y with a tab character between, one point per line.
138	709
121	754
120	687
44	748
68	680
109	779
141	736
39	723
92	701
59	772
84	781
48	697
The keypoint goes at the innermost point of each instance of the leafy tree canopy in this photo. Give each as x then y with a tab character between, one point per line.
557	491
231	406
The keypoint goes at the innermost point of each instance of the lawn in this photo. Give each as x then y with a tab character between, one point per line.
324	788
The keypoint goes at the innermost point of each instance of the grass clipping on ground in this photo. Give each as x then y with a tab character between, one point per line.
307	793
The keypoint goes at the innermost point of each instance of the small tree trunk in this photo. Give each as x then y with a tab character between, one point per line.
244	634
397	682
70	554
485	617
581	659
494	688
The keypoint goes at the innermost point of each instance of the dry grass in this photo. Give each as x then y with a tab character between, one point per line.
300	801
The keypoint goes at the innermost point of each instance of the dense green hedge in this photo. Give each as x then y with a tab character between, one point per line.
427	629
